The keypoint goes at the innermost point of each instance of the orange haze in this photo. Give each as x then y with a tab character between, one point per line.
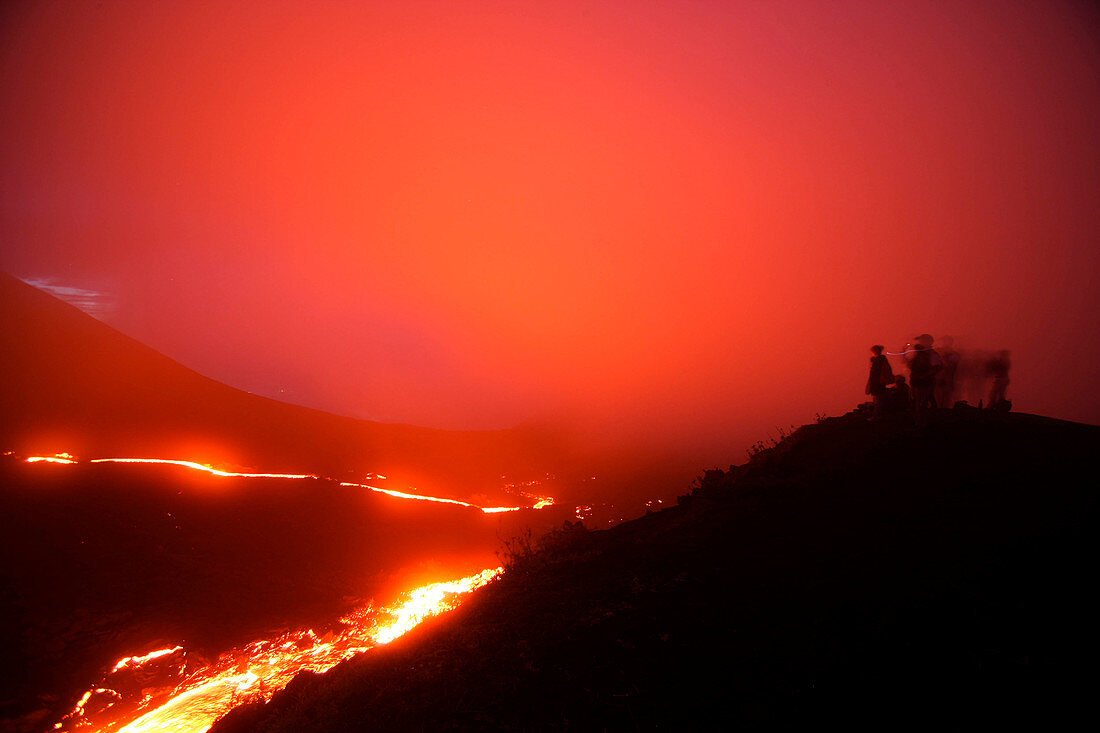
672	221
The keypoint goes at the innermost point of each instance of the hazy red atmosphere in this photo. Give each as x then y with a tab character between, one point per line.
683	220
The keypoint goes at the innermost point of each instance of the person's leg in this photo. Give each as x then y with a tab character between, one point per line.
997	394
922	400
878	399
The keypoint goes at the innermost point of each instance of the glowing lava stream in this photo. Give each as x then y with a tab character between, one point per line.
540	502
190	703
163	690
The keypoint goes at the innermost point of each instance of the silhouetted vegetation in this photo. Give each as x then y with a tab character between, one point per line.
521	555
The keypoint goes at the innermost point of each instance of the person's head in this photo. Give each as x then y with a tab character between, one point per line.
899	380
925	341
877	349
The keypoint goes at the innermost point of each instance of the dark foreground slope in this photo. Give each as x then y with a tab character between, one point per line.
71	383
857	570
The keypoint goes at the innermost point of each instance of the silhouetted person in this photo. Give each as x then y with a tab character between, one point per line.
972	376
998	371
881	376
899	395
924	365
946	379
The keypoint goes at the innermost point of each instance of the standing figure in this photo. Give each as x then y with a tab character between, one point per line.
899	398
881	376
998	371
946	388
924	363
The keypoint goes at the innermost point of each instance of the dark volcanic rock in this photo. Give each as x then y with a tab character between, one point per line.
860	572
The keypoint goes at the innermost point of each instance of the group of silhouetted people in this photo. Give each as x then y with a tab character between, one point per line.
937	378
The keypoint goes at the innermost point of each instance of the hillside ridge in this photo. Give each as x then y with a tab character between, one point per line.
861	570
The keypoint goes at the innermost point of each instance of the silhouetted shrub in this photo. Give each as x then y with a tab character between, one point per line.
516	549
715	480
761	447
521	554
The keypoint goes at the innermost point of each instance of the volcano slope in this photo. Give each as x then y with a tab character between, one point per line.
70	383
857	570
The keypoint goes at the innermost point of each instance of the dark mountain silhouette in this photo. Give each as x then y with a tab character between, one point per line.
69	382
860	572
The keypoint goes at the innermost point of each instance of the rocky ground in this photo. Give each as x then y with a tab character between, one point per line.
863	572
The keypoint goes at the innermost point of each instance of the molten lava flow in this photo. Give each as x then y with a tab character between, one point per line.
139	661
56	458
202	467
66	458
164	691
406	495
429	600
183	701
540	502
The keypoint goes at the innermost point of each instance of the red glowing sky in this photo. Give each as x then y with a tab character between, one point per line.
687	218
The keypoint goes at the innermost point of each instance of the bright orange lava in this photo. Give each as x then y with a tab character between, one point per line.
202	467
160	691
138	661
540	502
163	690
166	690
59	458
